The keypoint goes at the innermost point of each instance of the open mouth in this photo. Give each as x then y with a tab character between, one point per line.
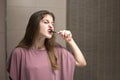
51	31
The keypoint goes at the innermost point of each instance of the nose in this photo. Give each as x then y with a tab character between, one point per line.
51	26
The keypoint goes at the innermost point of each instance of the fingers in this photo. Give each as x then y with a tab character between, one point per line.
65	34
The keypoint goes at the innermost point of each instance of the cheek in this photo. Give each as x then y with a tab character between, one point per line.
43	29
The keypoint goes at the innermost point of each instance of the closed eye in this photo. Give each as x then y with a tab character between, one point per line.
47	22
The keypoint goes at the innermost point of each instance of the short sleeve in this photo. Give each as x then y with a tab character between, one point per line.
13	67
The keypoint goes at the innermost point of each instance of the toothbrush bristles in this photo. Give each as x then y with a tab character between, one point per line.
52	31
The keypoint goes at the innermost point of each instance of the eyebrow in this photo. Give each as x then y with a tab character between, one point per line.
47	20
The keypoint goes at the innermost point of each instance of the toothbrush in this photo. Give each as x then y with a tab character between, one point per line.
51	31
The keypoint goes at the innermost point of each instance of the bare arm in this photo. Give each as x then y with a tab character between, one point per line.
80	60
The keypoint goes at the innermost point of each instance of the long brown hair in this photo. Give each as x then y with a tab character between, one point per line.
32	32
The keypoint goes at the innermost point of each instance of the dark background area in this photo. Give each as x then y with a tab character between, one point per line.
95	25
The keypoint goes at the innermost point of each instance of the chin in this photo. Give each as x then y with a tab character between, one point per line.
48	37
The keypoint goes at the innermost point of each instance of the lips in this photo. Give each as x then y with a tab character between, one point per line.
50	30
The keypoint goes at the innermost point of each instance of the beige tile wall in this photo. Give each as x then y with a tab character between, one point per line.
19	11
2	41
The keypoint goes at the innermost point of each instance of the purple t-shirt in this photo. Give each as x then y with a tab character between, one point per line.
34	64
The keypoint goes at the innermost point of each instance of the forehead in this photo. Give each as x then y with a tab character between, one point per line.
48	17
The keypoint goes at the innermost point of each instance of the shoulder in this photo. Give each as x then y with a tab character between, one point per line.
18	51
64	52
60	48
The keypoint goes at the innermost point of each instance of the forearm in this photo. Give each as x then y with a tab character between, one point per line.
67	36
80	60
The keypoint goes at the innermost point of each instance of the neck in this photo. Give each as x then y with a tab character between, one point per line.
39	44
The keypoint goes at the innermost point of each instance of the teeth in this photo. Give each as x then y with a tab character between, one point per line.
51	31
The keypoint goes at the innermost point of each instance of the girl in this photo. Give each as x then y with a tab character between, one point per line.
39	57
